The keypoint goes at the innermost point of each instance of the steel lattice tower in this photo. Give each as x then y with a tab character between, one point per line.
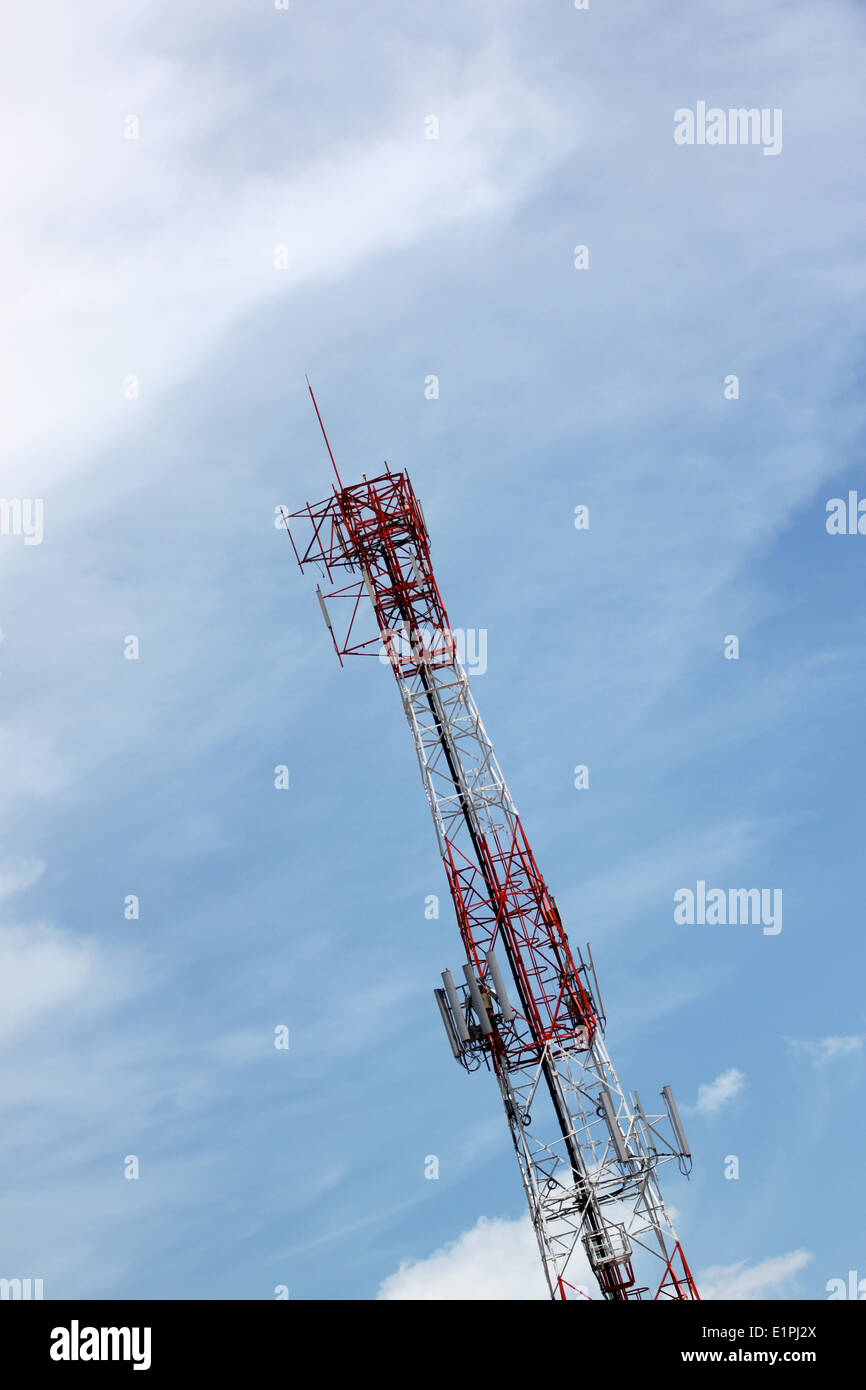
525	1007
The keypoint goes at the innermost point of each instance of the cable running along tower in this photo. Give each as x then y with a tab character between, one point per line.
524	1005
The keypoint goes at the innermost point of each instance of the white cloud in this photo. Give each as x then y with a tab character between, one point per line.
821	1050
16	877
761	1281
497	1259
712	1095
145	251
40	968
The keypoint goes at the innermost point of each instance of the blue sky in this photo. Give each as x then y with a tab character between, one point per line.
154	258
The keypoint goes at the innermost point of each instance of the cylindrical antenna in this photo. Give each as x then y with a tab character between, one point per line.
638	1105
676	1122
327	617
370	594
499	986
598	998
446	1019
325	614
616	1133
456	1010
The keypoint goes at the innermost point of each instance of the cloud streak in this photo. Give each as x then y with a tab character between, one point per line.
830	1049
767	1279
713	1096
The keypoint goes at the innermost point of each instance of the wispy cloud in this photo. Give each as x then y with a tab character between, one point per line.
821	1050
41	971
186	245
764	1280
14	878
714	1095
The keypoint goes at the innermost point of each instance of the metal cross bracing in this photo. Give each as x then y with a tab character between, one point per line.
588	1152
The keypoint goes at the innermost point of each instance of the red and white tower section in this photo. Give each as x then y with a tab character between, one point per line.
524	1004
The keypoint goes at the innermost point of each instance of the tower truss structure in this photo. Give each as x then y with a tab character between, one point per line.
527	1007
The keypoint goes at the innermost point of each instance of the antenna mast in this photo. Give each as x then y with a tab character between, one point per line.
525	1006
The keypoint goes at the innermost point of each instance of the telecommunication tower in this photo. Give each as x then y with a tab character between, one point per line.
524	1005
